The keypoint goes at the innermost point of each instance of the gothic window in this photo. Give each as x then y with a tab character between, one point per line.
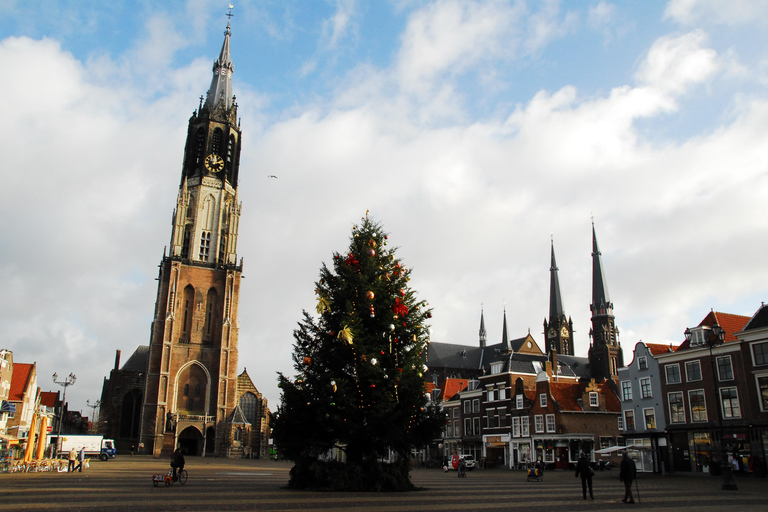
185	247
191	397
238	434
216	141
249	404
222	247
186	389
230	154
189	300
200	148
205	245
211	326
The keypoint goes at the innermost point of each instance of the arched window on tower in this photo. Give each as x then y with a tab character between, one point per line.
211	327
216	142
230	156
200	147
189	302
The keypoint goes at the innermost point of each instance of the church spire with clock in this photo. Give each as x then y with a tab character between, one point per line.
605	353
559	329
191	385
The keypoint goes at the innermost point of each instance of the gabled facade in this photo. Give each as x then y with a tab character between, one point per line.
7	409
703	392
643	416
23	396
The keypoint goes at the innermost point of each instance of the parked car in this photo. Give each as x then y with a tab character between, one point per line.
469	461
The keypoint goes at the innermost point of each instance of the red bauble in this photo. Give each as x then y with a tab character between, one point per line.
370	295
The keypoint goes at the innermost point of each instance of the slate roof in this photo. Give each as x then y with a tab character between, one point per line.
138	360
759	319
466	357
19	381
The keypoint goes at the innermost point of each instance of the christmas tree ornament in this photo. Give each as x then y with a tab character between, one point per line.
307	360
371	252
369	295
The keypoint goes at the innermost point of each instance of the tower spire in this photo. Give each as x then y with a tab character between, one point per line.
220	92
504	334
601	302
483	333
556	310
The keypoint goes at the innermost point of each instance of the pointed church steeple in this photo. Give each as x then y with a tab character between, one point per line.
505	344
605	353
558	330
483	333
220	91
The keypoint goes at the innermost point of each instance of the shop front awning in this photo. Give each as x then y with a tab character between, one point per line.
8	407
613	449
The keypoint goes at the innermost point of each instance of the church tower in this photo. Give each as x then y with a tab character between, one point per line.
559	329
191	383
605	354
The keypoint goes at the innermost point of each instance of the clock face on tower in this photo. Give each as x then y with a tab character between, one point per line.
552	333
564	332
214	163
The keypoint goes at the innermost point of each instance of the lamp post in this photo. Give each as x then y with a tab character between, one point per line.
716	338
93	407
65	384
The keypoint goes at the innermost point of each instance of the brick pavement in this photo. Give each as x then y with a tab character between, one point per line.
223	484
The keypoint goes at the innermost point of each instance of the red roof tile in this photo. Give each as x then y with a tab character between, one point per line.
48	398
19	380
566	394
731	323
452	386
656	348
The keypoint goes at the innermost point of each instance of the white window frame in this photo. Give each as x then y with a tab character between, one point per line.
455	412
515	426
626	390
754	357
594	400
502	393
551	424
687	377
621	423
630	412
642	363
476	426
476	405
701	392
731	405
467	406
519	402
646	387
468	426
501	416
762	401
543	399
730	366
645	418
679	375
669	406
538	423
490	395
525	426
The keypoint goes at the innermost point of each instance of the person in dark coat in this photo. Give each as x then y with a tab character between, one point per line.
586	473
177	463
627	474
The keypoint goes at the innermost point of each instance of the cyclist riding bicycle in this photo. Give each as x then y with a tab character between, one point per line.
177	463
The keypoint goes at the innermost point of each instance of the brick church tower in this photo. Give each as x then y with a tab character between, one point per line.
191	382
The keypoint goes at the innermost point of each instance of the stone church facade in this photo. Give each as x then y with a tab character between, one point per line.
190	391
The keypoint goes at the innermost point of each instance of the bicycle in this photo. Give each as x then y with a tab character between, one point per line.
167	479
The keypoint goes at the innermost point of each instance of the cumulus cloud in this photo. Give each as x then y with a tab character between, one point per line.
733	12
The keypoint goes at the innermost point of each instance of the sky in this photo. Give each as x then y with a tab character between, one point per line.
476	133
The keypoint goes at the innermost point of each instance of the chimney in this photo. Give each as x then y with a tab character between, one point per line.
117	359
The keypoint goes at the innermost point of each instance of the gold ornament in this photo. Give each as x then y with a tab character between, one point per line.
323	305
346	335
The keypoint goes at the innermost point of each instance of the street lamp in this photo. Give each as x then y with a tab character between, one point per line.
65	384
716	338
93	406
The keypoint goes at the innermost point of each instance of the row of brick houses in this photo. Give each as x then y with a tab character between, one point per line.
703	402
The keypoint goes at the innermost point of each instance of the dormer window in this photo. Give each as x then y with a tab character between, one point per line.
496	367
593	400
699	337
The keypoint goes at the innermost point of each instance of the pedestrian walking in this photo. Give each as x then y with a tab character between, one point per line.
72	458
80	459
585	472
627	474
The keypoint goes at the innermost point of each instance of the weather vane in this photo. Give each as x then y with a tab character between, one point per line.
229	14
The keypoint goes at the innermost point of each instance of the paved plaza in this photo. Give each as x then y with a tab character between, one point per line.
224	484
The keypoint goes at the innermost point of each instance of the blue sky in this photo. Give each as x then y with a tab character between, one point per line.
474	131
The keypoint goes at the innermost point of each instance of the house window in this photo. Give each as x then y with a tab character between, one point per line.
476	405
502	394
629	419
538	423
673	373
455	412
551	427
476	426
543	399
491	418
467	426
499	418
496	368
697	405
519	401
502	417
467	406
692	371
762	392
676	407
621	424
490	395
525	426
645	387
724	368
730	401
642	363
760	351
650	419
626	390
516	426
698	337
456	429
593	401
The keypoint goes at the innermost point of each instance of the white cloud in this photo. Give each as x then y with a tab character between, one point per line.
732	12
337	27
675	63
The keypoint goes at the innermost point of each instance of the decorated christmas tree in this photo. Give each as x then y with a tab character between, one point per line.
357	405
